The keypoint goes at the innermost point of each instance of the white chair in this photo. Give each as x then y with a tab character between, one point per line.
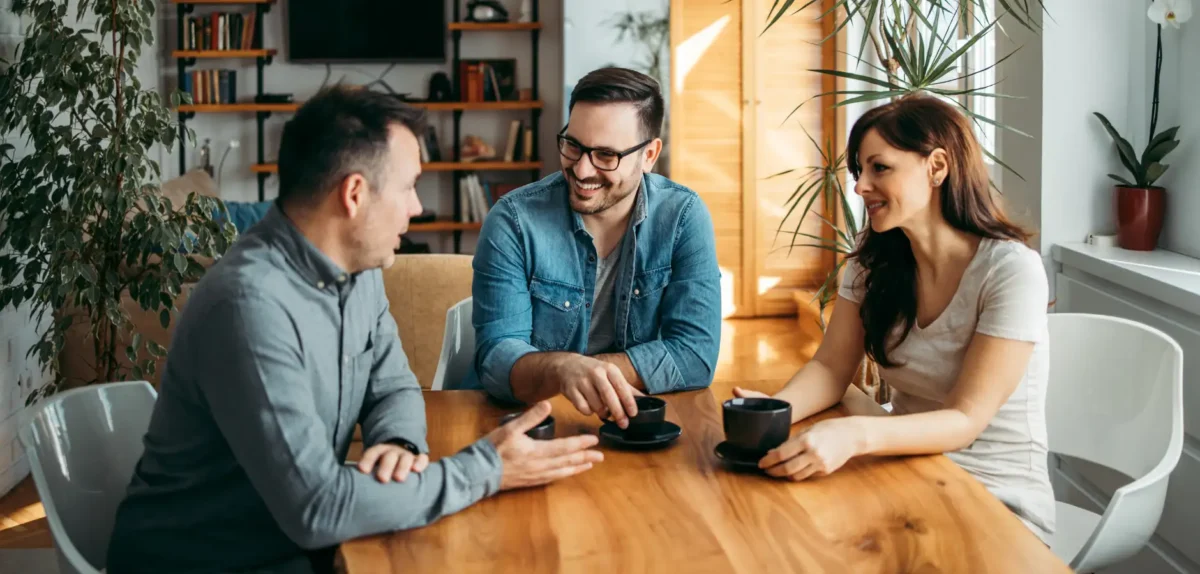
1114	398
82	446
458	348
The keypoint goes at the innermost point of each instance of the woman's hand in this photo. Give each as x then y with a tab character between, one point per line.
741	393
818	451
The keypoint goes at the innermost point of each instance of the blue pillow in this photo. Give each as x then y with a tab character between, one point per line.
244	214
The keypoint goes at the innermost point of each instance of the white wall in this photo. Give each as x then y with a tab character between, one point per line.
1021	76
1094	58
18	375
303	80
1180	106
590	41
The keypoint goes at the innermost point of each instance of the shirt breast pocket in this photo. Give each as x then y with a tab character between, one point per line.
555	313
360	371
645	315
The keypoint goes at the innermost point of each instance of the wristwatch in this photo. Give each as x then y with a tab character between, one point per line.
405	444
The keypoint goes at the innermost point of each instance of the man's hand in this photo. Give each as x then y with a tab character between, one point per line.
597	387
391	462
529	462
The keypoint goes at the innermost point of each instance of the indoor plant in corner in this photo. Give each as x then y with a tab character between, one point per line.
83	224
1141	205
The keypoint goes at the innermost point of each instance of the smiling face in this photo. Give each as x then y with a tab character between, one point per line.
898	187
609	128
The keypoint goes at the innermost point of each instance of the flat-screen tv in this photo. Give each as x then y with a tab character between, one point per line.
366	30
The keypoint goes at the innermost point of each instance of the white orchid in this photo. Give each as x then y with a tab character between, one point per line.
1171	12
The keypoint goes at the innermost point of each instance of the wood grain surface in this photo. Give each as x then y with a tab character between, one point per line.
680	509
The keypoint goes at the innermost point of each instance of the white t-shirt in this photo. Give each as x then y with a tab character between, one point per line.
1003	293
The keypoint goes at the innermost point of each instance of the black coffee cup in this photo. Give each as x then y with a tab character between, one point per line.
756	425
543	431
651	410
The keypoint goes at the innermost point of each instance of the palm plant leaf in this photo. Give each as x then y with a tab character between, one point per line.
1120	179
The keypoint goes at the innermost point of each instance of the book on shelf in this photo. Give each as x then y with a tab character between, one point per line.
487	80
474	202
220	31
514	134
210	86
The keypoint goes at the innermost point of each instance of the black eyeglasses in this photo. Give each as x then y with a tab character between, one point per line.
602	159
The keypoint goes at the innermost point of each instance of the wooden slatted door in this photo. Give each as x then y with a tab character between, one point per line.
732	91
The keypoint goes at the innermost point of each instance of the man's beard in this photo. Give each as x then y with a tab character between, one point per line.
606	197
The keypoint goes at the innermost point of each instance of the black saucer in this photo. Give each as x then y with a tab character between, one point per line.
650	435
737	457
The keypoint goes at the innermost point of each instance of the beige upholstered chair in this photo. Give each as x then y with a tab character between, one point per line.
420	289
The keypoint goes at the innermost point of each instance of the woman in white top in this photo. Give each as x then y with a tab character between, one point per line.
946	298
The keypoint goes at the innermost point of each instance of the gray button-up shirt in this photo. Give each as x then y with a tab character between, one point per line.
277	355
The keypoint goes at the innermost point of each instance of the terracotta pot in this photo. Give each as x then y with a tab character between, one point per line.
1139	216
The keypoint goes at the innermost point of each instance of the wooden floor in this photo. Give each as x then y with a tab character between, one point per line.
760	354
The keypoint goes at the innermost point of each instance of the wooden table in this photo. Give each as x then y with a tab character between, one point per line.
681	510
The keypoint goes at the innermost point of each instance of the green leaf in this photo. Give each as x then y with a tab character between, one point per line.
1157	153
131	354
1125	151
1120	180
137	341
164	318
181	262
1167	134
1155	171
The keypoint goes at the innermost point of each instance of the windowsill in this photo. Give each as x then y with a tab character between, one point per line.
1163	275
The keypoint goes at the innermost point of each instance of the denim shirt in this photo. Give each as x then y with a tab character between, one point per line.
535	273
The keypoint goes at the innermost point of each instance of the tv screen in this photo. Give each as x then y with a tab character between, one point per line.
366	30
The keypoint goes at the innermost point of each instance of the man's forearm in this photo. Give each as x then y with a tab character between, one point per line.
532	377
622	361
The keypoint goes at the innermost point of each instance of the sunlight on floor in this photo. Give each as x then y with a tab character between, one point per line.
25	515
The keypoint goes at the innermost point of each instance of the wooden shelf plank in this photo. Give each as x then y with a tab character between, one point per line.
441	166
478	106
222	1
223	53
238	107
444	225
431	106
497	26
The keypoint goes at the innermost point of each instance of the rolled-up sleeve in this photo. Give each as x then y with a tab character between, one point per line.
393	407
685	357
502	311
254	383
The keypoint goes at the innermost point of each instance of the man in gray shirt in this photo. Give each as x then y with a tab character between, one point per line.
283	347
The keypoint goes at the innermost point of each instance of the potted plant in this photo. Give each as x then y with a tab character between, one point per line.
1141	205
83	224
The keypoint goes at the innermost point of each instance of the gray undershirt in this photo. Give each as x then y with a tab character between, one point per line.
601	331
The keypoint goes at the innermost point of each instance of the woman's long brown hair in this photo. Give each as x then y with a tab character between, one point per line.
919	124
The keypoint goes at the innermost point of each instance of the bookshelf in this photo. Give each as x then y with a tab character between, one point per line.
263	56
441	166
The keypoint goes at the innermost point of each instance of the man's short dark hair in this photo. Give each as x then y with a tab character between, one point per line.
341	131
625	86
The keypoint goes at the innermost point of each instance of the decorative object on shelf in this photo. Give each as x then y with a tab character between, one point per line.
205	161
475	149
486	11
95	237
440	88
273	98
1140	205
526	11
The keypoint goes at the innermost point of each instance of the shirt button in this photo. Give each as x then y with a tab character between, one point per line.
591	258
346	359
637	292
320	284
342	278
588	305
567	304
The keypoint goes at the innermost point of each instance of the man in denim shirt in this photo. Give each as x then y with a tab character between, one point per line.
601	281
